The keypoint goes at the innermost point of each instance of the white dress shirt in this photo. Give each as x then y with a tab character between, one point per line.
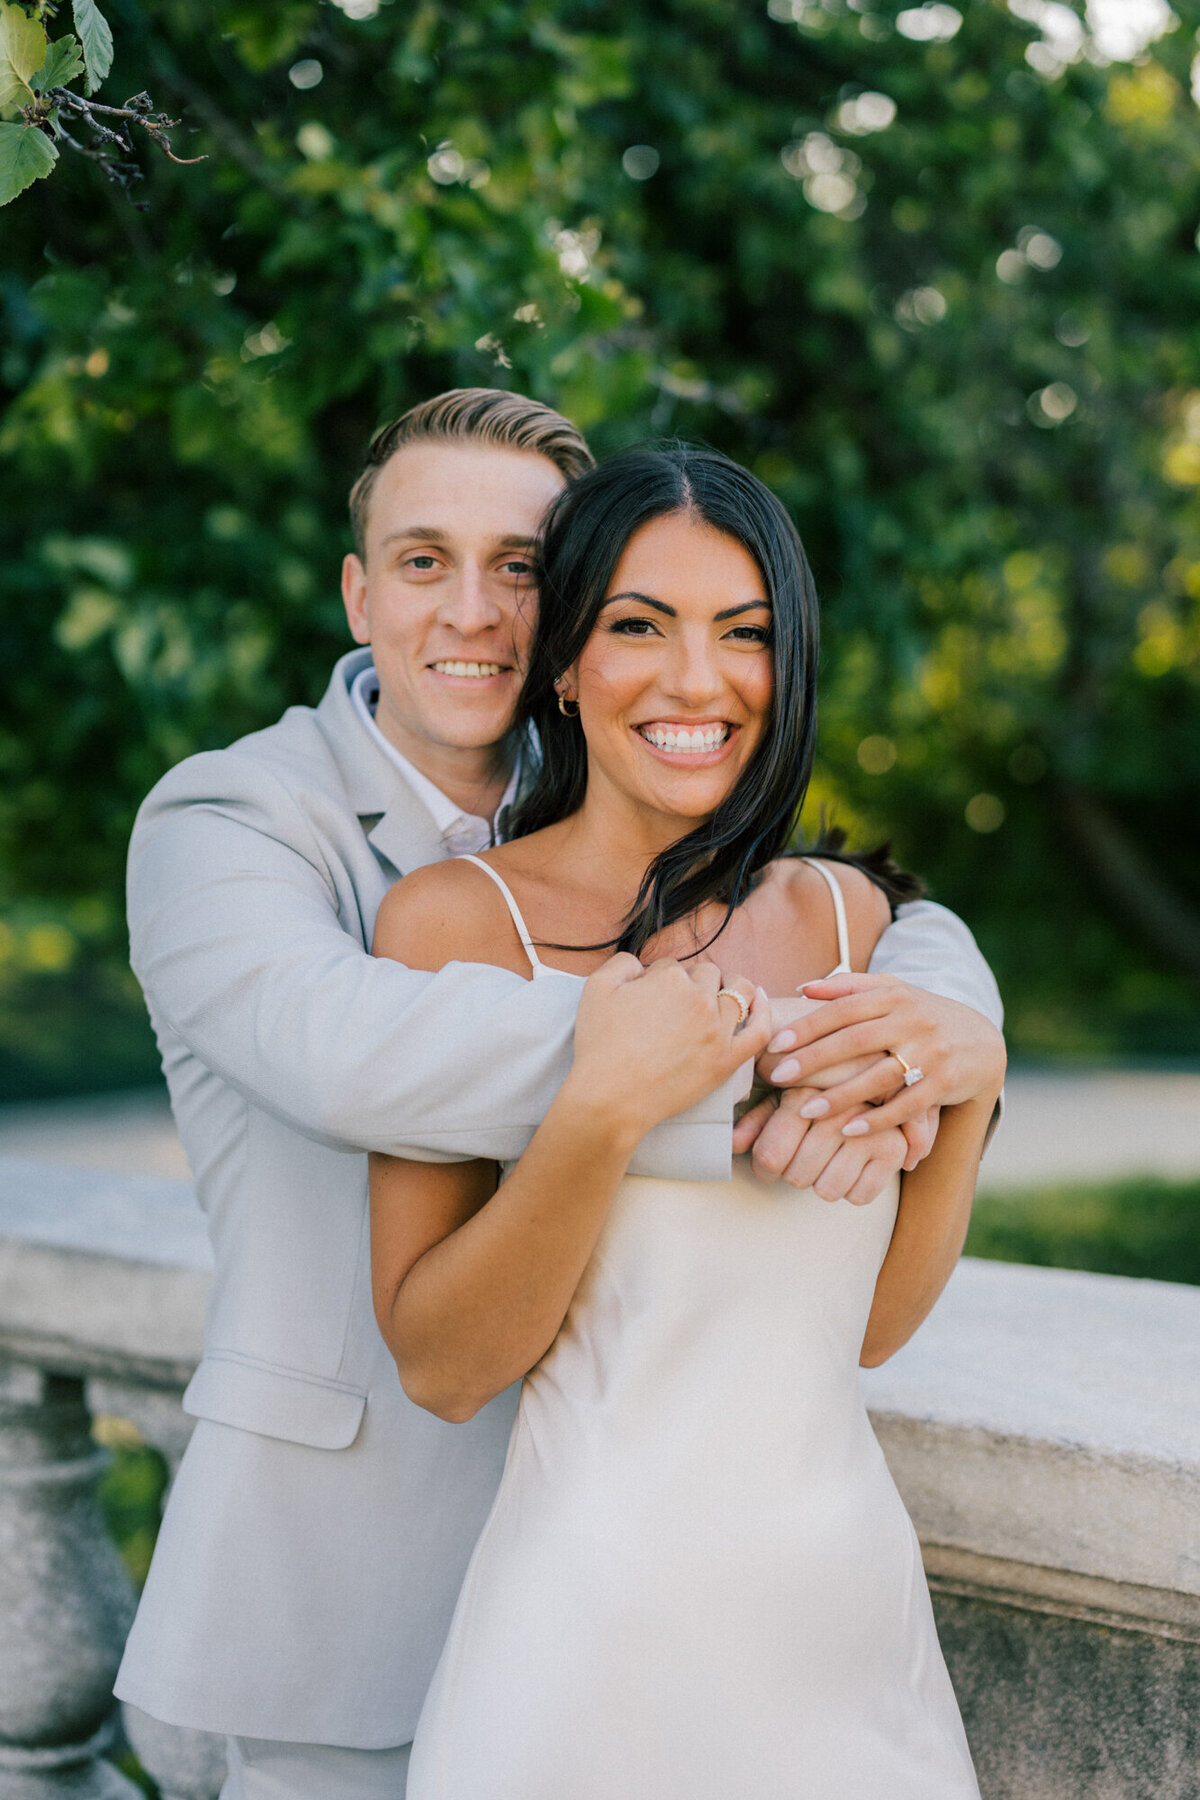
462	833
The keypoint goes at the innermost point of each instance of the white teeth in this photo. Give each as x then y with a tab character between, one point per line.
671	737
475	670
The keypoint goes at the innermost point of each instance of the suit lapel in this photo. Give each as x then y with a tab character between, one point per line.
397	825
405	834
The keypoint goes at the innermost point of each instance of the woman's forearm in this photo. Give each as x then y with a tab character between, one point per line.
483	1305
931	1225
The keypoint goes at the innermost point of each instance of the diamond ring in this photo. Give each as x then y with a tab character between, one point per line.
911	1075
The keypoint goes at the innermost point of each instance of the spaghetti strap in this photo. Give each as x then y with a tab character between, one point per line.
535	962
839	907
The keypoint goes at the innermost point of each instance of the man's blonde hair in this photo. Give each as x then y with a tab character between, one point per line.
471	416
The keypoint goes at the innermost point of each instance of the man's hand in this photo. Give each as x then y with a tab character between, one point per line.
784	1146
875	1016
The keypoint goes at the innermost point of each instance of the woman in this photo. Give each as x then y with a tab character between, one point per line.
698	1579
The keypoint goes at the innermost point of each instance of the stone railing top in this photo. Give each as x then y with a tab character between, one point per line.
101	1274
1098	1361
137	1217
1041	1418
1047	1420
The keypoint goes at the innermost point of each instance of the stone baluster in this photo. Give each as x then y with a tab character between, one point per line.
183	1764
102	1279
186	1765
65	1599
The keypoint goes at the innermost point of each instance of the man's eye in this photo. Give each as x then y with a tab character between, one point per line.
517	567
422	562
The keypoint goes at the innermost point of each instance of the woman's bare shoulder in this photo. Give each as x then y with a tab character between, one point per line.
447	912
868	914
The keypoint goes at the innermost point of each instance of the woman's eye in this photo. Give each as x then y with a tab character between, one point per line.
751	634
634	627
517	567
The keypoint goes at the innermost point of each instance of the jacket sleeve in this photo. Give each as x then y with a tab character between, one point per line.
240	939
930	946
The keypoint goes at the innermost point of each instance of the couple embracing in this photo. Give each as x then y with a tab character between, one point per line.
519	1413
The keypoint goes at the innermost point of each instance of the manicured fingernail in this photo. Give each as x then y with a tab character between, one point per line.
856	1128
783	1040
786	1071
814	1109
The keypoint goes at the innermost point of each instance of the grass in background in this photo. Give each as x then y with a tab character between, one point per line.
131	1492
131	1497
1143	1226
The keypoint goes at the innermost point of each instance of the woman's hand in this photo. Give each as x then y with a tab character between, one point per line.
652	1041
959	1052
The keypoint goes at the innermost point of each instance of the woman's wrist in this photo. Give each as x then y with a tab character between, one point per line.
599	1120
977	1107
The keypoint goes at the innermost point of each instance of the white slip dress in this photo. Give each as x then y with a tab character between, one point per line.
698	1581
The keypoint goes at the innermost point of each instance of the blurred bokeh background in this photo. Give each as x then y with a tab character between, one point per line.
932	271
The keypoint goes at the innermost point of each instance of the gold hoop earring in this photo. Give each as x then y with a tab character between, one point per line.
568	708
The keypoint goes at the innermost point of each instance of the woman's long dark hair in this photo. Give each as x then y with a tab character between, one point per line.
582	541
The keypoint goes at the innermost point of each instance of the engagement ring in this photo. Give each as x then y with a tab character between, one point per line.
911	1075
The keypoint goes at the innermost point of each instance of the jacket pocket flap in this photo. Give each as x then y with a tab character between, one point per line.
277	1403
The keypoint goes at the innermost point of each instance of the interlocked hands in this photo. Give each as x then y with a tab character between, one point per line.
842	1121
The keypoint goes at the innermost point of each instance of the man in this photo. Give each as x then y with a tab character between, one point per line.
318	1529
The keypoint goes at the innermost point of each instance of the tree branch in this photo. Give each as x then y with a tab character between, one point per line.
1127	875
232	140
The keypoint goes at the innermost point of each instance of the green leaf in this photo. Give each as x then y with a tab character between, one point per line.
96	39
22	52
64	61
25	155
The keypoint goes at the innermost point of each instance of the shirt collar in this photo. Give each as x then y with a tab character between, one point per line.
462	833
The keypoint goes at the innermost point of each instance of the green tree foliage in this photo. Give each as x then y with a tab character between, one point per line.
45	111
931	273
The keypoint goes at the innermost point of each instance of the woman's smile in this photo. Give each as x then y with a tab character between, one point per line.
688	742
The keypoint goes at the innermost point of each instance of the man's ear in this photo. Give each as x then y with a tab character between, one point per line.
354	598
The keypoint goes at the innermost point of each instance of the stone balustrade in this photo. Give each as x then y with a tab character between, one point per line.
1043	1427
103	1280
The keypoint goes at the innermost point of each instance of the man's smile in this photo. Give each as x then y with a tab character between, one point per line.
470	671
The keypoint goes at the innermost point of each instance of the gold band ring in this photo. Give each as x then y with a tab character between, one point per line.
911	1075
743	1005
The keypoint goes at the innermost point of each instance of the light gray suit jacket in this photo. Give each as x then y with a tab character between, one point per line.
317	1533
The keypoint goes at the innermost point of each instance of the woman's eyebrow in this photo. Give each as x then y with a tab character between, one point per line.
729	612
643	600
